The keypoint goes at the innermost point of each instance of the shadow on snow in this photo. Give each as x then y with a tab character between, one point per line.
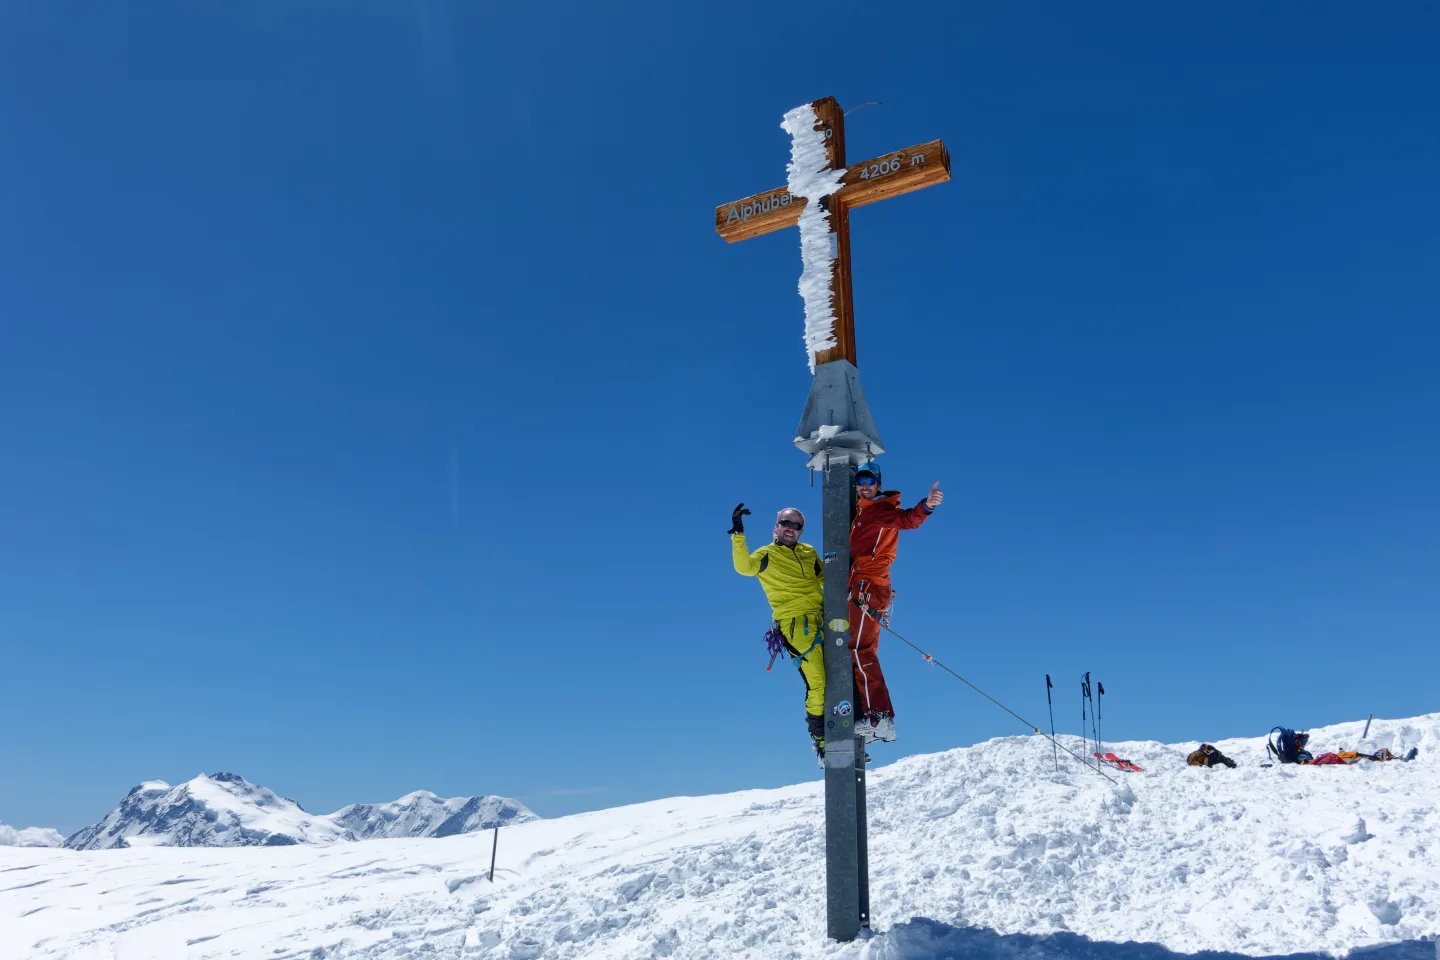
924	939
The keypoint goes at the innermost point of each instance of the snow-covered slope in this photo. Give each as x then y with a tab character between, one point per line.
979	852
30	837
226	810
218	810
422	814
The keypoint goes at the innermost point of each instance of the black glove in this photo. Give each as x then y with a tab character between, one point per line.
736	524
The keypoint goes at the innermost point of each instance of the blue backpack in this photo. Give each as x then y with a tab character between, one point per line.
1289	746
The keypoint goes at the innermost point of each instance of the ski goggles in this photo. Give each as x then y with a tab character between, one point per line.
790	524
866	481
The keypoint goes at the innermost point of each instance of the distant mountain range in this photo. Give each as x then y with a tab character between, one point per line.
226	810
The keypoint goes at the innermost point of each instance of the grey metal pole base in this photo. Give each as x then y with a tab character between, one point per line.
846	872
839	433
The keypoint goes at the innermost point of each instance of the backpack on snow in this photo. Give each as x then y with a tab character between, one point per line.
1288	746
1208	756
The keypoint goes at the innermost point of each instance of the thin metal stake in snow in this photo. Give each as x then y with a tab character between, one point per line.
495	845
1051	705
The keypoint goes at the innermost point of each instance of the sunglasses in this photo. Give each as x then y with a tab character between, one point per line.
791	525
865	481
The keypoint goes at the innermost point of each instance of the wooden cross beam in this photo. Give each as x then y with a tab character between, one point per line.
880	178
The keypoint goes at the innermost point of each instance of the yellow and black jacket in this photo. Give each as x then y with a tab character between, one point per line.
793	577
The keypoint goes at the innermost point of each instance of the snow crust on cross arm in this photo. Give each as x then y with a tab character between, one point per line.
810	177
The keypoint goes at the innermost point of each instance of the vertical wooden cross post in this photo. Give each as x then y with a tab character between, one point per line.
839	433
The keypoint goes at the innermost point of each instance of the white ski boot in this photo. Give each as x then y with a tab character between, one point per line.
865	730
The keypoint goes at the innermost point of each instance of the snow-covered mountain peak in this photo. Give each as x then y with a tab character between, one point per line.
423	814
226	810
418	795
224	777
216	810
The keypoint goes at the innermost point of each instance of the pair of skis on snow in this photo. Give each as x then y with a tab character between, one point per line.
1087	718
1119	763
1094	719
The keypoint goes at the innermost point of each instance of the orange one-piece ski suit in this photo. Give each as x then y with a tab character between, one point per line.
874	539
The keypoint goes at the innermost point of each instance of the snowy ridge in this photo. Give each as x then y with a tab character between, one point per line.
423	814
978	852
219	810
30	837
226	810
810	177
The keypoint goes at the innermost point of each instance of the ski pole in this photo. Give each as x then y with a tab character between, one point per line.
1051	705
931	660
1094	730
1087	700
1099	728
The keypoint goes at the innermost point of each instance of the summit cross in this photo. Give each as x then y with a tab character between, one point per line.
879	178
838	433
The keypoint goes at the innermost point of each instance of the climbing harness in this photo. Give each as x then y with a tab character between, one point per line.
775	641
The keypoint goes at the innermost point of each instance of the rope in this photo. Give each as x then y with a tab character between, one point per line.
929	659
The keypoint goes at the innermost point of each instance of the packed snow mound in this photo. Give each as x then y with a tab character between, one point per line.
215	810
980	852
423	814
226	810
30	837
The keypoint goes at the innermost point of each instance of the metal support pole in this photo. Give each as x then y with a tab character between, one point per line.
494	845
845	869
839	434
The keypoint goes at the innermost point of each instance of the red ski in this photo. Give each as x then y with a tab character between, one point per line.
1118	763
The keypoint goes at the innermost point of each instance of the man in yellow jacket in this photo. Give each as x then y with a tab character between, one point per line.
794	580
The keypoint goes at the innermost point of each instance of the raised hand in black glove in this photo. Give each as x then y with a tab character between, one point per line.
736	524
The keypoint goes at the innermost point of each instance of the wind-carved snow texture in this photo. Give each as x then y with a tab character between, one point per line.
977	853
811	178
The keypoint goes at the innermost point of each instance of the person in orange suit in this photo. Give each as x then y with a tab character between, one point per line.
874	538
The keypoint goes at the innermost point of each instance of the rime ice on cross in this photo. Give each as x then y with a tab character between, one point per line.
882	177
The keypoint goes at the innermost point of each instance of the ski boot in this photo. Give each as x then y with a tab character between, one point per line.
865	730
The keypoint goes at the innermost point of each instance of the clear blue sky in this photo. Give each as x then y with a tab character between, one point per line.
374	390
